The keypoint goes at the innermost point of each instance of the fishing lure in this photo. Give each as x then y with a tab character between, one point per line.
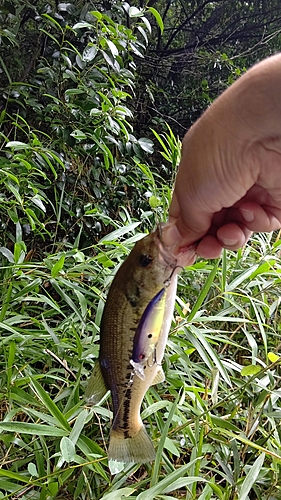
147	334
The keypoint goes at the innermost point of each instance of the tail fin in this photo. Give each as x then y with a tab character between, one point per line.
137	449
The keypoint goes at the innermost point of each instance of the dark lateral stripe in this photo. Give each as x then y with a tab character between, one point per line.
126	413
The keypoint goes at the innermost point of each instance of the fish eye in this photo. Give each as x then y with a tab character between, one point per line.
145	260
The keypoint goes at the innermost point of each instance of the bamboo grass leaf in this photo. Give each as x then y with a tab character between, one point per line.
50	405
251	477
119	494
156	467
36	429
67	448
13	475
57	267
78	426
119	232
243	277
66	298
203	293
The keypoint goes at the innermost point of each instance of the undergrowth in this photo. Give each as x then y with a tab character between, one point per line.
76	193
214	422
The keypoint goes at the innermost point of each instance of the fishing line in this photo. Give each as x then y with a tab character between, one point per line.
162	248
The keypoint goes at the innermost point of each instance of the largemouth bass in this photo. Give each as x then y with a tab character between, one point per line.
133	335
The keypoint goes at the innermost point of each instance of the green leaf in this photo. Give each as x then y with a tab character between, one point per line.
13	214
241	278
7	253
67	449
50	405
82	24
250	370
119	494
251	477
157	17
170	483
112	47
116	467
89	54
17	145
158	460
146	144
204	292
141	30
170	445
53	21
66	298
135	12
13	475
32	429
78	426
96	14
273	357
119	232
15	190
58	266
78	134
38	202
224	424
32	469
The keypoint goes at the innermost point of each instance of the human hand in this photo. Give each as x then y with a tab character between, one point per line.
229	178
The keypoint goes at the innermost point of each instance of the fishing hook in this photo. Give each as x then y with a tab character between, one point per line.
168	280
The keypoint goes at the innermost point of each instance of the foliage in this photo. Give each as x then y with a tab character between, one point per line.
78	98
204	47
215	427
76	193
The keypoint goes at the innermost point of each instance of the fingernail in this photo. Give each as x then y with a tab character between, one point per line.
247	215
228	242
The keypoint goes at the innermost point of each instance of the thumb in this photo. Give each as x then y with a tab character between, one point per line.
187	226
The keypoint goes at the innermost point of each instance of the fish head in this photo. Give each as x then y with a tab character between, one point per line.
155	259
152	261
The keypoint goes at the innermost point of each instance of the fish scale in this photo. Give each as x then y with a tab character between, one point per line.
148	268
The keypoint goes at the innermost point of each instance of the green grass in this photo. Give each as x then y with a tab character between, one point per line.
75	195
216	430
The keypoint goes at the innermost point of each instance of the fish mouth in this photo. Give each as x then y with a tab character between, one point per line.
170	255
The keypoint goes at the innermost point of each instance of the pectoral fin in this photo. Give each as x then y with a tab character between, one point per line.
159	377
96	387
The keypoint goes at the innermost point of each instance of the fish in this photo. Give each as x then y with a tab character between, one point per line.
141	296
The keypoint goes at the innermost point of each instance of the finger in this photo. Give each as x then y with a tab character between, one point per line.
177	236
209	247
260	218
233	236
190	225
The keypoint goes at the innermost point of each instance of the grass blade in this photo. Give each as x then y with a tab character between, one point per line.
50	405
203	292
36	429
251	477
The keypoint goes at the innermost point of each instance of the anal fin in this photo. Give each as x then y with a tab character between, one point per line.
159	377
